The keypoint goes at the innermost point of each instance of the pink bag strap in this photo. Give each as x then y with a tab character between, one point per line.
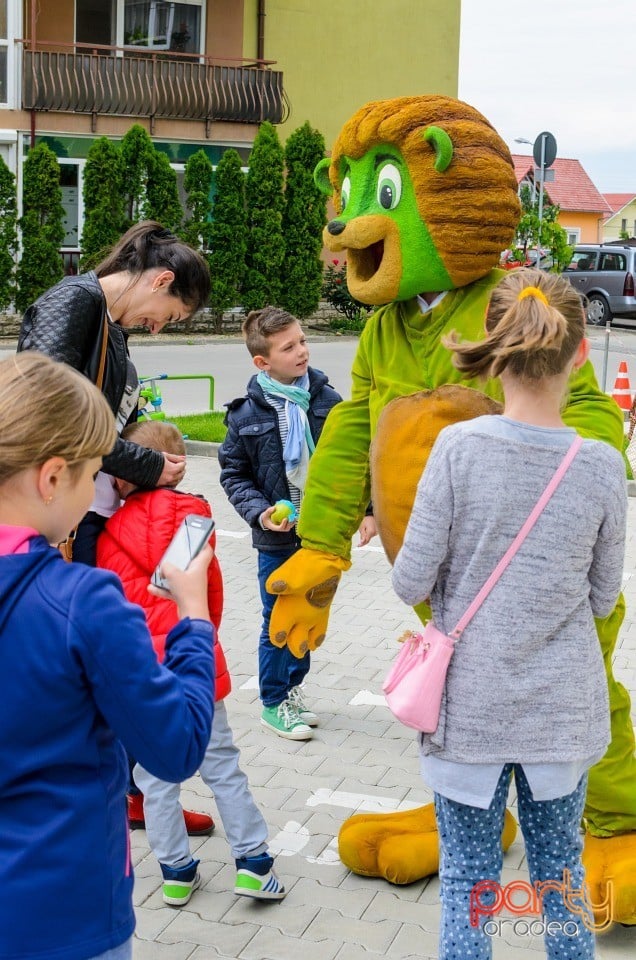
518	540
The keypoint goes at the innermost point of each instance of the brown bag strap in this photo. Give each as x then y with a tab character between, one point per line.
66	546
99	383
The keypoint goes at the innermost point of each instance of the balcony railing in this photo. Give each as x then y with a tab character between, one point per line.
121	82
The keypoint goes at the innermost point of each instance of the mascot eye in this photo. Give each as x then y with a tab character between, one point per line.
389	187
345	192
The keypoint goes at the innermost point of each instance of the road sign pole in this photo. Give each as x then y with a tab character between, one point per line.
542	177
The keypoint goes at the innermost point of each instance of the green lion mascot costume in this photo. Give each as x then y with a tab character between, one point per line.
426	200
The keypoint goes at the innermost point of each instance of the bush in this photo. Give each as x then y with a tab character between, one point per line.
265	242
41	226
138	157
303	220
163	204
197	182
8	235
103	201
336	292
228	236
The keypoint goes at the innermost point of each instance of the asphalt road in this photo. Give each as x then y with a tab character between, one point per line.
227	360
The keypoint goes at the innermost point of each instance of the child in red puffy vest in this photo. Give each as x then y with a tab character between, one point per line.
131	545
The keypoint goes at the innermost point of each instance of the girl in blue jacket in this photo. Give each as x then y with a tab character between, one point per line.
78	676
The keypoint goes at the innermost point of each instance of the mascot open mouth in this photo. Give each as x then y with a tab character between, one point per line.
374	260
368	260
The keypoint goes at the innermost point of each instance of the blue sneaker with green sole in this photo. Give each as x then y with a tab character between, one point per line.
179	883
255	877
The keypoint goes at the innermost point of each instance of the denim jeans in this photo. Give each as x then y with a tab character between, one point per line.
122	952
278	669
470	853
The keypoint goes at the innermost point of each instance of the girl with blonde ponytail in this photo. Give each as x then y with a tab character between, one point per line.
526	692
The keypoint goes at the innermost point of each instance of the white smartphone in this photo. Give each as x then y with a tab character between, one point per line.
188	541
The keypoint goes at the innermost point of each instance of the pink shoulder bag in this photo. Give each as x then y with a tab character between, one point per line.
414	686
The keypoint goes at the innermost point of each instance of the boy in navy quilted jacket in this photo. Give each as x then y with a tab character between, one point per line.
271	435
131	545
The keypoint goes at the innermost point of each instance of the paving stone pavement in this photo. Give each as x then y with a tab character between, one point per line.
359	759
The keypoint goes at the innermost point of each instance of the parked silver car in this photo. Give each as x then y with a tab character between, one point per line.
604	276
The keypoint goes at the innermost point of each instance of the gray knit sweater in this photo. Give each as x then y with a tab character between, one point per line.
526	682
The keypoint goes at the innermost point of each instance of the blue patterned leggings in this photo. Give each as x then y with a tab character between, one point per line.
470	853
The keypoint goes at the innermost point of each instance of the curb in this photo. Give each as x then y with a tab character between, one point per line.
201	448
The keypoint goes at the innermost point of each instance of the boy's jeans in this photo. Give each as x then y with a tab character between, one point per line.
278	669
244	826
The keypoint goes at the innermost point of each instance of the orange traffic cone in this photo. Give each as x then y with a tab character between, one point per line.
622	391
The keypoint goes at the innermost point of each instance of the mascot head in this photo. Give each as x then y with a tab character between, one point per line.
425	194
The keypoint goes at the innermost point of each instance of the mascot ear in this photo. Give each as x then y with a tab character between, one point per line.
321	176
442	145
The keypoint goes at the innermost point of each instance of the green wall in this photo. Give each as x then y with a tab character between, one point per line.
338	54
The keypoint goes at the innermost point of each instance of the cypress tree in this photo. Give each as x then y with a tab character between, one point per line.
265	201
162	193
138	154
103	201
8	235
41	225
228	236
197	229
304	217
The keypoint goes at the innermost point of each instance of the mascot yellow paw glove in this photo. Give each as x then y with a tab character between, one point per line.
305	586
400	847
610	875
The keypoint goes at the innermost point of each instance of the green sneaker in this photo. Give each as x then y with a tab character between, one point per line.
255	877
284	721
295	697
179	883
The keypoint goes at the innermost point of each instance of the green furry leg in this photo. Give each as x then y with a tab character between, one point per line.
611	794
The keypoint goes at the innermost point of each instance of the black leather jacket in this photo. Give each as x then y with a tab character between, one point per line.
65	324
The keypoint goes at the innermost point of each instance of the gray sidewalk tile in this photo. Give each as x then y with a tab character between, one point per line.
360	759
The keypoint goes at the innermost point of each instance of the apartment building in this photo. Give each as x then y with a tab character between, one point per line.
203	74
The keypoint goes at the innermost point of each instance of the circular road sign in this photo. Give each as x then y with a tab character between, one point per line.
549	150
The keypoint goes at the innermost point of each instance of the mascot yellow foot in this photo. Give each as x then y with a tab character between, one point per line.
401	847
610	873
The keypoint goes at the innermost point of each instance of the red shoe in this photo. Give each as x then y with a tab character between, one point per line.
197	824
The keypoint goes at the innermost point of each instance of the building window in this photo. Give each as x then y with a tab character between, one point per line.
163	25
624	225
70	182
4	52
574	235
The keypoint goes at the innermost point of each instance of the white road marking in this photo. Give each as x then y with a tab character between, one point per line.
235	534
355	801
365	698
290	840
251	684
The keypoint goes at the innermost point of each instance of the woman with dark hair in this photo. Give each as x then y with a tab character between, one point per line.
150	278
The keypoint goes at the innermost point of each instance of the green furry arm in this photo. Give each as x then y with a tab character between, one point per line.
337	491
591	412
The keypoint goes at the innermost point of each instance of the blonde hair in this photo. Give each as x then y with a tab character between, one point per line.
259	325
156	435
47	409
534	324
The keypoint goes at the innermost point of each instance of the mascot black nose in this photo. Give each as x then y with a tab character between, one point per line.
335	227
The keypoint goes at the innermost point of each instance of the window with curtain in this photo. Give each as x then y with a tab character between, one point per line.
162	25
